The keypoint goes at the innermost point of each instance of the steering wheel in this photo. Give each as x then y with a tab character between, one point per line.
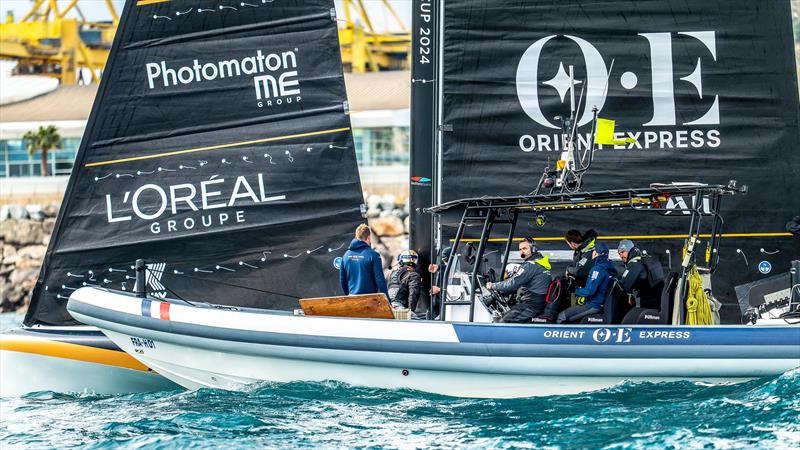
496	298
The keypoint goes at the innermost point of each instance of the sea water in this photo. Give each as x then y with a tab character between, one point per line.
763	413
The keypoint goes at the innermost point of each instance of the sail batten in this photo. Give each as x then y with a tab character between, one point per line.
227	31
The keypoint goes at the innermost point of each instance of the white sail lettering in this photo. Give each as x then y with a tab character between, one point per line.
209	71
205	194
223	217
263	191
261	187
188	198
260	59
229	65
196	67
284	83
248	65
273	62
253	67
112	219
269	89
162	195
153	71
242	182
166	72
185	75
286	56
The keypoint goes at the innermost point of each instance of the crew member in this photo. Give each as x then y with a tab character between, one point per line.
405	282
362	269
575	276
531	280
643	276
592	296
582	246
437	272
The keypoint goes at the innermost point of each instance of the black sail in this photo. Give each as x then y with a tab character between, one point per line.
219	150
708	88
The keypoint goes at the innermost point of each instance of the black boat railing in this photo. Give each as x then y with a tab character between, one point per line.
486	211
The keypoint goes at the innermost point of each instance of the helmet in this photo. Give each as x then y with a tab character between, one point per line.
407	257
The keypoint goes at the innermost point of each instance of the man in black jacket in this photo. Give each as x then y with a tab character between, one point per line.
582	246
643	276
405	282
530	281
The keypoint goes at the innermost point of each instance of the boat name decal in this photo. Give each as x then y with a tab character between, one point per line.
616	335
275	76
139	344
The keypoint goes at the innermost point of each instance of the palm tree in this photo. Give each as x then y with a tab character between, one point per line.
43	139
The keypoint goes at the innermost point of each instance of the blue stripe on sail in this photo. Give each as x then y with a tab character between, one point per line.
618	335
146	304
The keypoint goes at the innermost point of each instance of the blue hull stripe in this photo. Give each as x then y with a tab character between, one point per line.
622	336
593	349
146	304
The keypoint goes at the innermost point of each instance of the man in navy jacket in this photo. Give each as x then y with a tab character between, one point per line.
592	296
362	271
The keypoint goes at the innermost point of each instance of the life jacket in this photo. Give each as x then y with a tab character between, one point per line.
655	273
398	289
652	268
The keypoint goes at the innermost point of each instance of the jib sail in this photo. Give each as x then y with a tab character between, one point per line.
707	89
219	150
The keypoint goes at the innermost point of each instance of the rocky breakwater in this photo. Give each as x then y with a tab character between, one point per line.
388	218
24	234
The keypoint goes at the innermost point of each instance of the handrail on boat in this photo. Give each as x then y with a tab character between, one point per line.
508	209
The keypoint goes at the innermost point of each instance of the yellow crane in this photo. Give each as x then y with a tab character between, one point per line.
365	49
44	41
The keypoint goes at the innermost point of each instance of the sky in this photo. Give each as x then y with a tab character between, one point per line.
95	10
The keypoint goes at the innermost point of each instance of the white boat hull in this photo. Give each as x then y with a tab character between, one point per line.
206	347
46	360
196	367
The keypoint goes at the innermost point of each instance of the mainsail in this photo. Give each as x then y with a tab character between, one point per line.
219	150
708	89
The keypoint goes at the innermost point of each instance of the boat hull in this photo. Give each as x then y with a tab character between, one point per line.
70	359
206	347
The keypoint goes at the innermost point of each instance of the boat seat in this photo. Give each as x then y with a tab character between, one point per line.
654	316
613	307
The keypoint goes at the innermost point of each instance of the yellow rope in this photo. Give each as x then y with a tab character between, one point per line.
698	306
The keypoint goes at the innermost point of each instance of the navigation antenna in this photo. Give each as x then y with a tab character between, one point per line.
567	175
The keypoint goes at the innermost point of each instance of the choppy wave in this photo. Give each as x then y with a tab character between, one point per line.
762	413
